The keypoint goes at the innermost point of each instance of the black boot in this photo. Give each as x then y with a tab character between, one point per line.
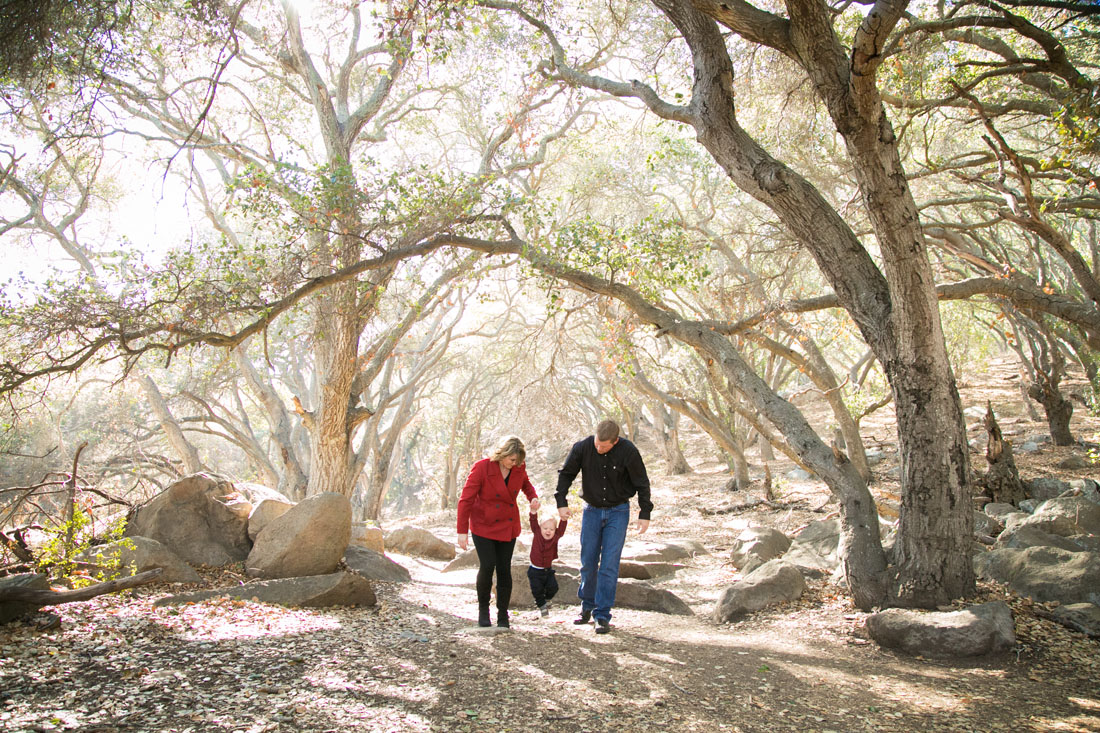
502	618
586	616
483	616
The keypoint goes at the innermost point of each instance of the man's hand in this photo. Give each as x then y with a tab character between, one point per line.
642	525
464	541
534	503
563	512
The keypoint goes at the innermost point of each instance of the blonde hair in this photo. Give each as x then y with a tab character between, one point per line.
510	446
545	517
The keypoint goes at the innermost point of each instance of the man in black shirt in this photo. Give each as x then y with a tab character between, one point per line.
611	471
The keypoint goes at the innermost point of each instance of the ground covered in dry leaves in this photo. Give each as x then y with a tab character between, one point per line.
418	662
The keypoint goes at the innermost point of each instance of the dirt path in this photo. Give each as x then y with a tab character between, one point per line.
417	661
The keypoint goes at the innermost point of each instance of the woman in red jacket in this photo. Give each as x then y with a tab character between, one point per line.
488	510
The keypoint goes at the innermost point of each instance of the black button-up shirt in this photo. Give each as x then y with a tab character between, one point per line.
607	479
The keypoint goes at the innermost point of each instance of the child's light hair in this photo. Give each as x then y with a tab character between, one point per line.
545	516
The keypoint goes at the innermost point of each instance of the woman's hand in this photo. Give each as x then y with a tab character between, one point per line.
463	541
535	505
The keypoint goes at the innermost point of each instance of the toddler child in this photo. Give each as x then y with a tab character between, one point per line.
544	548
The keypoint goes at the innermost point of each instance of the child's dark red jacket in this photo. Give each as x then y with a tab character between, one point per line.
487	506
543	551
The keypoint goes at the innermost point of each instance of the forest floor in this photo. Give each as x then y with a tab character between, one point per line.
418	662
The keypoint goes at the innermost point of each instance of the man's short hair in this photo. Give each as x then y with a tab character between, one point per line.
607	431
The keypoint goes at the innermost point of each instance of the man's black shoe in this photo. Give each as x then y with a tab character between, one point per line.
603	626
586	616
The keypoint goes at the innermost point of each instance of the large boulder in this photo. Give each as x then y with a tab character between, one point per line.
368	536
263	513
201	518
1083	617
255	493
11	610
568	585
755	546
773	582
971	632
315	591
634	594
309	539
822	538
132	555
814	550
469	559
1066	516
647	570
375	565
640	596
1044	573
1045	487
671	551
419	542
1021	536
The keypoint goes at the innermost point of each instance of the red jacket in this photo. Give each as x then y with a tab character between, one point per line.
487	506
543	551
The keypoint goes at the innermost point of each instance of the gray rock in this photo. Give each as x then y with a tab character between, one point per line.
1085	487
985	524
999	510
469	559
256	493
647	570
264	513
1028	505
640	596
1066	516
1045	487
133	555
309	539
201	518
1044	573
419	542
668	552
822	538
773	582
374	565
1029	447
568	585
799	474
756	545
315	591
1023	536
1083	617
972	632
368	536
11	610
1074	463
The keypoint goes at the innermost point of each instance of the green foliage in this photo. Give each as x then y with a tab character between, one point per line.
70	540
652	256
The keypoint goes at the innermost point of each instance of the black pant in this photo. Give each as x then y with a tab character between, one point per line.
494	555
543	584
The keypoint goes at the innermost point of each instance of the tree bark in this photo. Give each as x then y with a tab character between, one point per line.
172	431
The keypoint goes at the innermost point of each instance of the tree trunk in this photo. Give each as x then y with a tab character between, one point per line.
667	424
187	452
897	314
336	330
292	479
1002	482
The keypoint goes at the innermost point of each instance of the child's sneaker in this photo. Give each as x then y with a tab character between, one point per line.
544	610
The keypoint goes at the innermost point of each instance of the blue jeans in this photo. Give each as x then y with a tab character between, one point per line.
603	534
